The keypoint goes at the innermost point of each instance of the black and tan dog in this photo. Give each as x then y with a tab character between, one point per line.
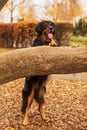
35	86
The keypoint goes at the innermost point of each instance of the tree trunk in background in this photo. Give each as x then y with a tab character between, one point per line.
42	61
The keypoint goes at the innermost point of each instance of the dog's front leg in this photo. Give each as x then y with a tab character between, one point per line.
30	99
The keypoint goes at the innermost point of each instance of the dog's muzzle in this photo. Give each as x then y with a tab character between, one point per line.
51	29
51	32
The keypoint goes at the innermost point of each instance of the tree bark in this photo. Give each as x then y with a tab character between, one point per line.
2	3
42	61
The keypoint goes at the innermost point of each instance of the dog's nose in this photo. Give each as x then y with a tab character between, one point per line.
50	28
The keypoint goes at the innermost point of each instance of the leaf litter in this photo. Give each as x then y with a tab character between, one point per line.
66	106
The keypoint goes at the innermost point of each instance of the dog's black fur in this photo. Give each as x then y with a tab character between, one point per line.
35	86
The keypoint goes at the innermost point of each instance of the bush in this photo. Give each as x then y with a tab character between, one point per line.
17	33
63	33
21	34
80	28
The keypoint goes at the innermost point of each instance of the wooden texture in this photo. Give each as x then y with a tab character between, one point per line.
2	3
42	61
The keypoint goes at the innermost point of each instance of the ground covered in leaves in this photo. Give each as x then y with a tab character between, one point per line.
66	105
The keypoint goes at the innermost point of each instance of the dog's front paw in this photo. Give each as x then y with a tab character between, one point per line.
53	43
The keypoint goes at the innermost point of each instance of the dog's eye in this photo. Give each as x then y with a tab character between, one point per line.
51	24
46	23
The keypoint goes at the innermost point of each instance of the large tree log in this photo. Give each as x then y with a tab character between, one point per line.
41	61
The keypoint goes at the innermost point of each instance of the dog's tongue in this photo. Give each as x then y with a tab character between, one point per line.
50	35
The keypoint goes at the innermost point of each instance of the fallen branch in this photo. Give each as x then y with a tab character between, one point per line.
42	61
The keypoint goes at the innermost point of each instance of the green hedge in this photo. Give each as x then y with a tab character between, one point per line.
21	34
80	28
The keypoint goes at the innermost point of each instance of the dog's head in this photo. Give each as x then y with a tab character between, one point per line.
45	30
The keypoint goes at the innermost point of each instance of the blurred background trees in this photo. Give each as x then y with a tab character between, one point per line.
60	11
65	10
56	10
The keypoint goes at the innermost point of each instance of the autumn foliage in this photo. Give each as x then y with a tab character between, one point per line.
21	34
65	10
63	33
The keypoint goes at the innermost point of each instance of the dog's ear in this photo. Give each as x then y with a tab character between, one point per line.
38	28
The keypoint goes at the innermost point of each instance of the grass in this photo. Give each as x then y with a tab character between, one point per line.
78	40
